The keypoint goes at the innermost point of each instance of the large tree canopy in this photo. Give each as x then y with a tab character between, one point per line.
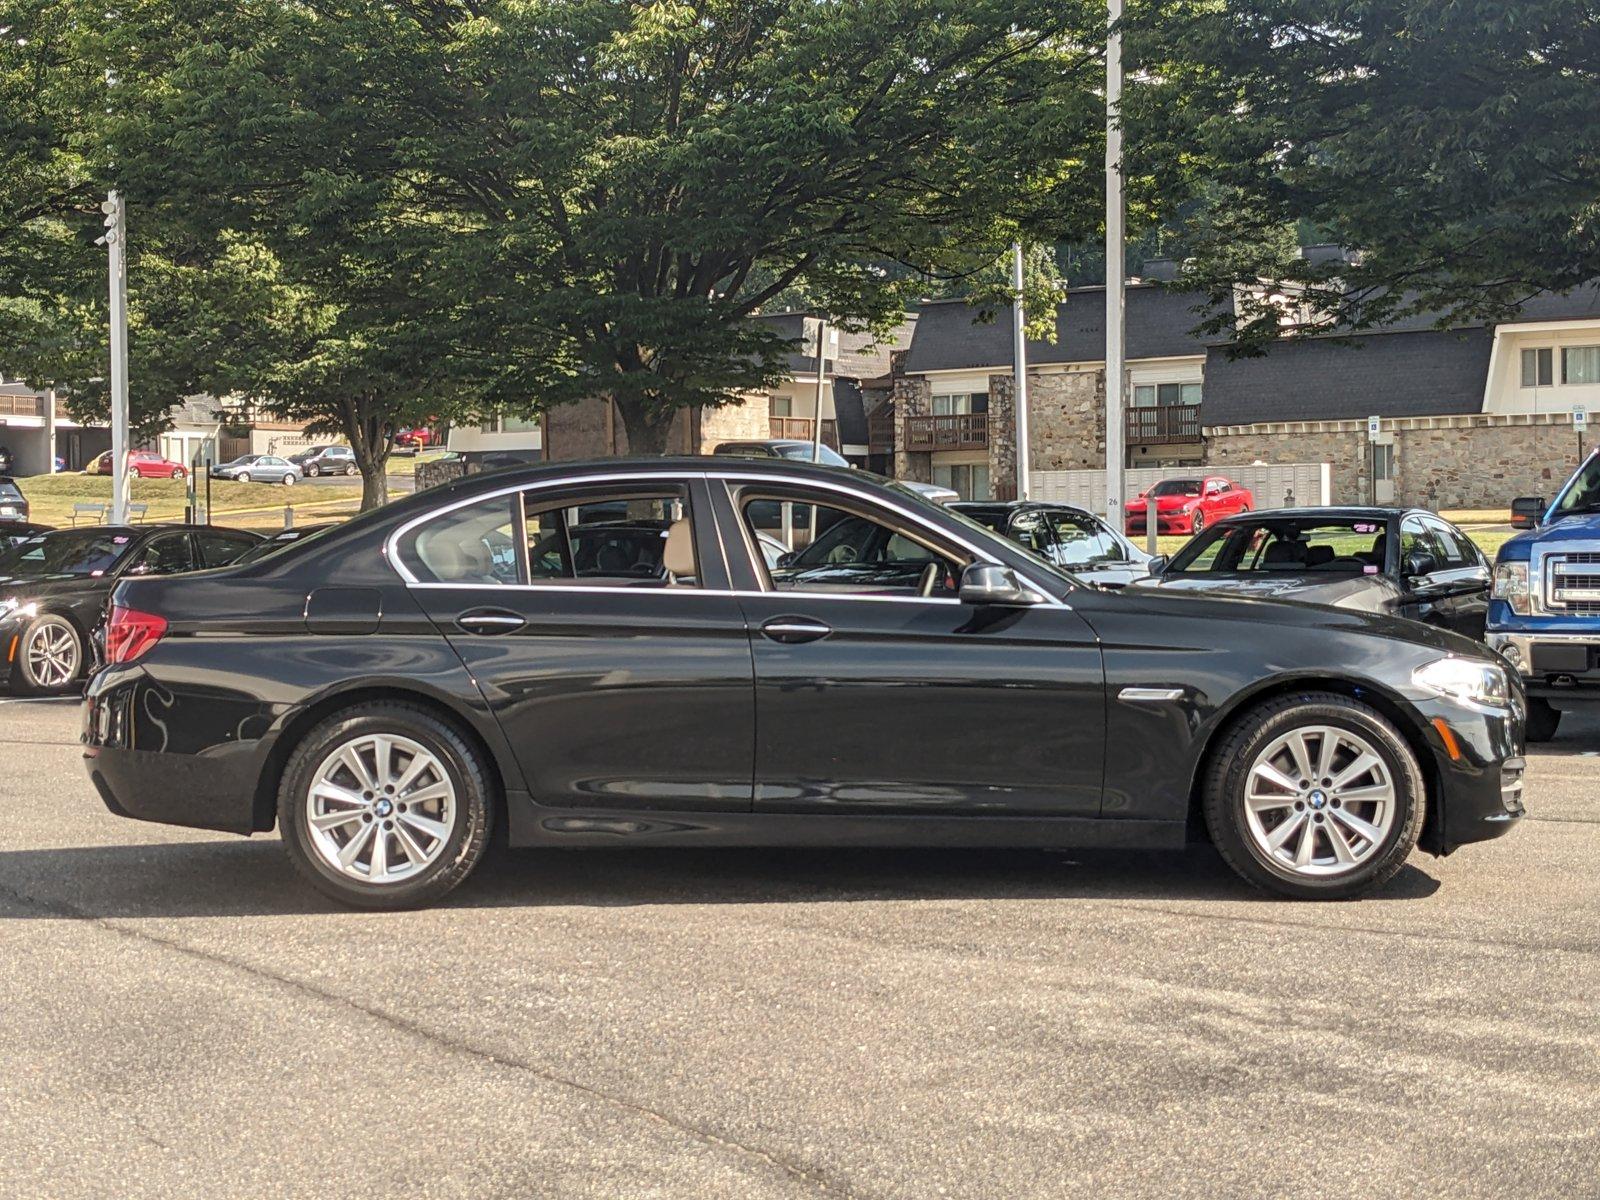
1455	146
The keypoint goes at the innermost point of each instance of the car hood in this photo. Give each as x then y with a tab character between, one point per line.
1163	503
56	587
1347	591
1585	528
1109	574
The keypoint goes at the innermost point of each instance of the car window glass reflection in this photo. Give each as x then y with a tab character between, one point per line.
476	544
632	539
833	550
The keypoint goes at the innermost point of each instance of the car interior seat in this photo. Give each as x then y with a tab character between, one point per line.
678	555
1285	553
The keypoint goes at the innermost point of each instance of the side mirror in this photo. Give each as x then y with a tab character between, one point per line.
1420	564
786	559
1158	564
1526	512
991	584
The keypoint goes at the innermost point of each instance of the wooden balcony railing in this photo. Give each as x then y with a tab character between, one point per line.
21	406
965	431
880	430
800	428
1164	425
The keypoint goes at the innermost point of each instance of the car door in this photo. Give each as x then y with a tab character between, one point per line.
621	682
886	694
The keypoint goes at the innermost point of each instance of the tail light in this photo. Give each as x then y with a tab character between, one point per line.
129	633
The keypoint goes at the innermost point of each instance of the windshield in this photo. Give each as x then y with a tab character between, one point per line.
985	535
68	553
1582	495
9	490
1176	487
1351	546
802	453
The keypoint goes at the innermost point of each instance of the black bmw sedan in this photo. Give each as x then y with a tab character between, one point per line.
389	691
1403	562
54	587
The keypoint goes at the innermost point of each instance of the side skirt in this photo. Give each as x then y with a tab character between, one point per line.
535	825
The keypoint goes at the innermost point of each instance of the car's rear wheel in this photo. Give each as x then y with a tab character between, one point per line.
1543	720
1314	796
350	470
49	655
385	806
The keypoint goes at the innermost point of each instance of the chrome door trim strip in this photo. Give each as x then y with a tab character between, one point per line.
1149	695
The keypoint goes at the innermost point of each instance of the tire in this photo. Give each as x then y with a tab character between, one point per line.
313	470
1265	735
1196	524
288	479
1543	721
242	477
350	470
179	473
51	655
449	836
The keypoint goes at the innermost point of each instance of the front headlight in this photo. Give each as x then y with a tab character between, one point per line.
8	605
1480	685
1511	585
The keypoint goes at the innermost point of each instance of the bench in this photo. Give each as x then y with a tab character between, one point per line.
97	511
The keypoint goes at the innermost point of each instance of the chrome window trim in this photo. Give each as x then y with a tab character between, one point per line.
391	543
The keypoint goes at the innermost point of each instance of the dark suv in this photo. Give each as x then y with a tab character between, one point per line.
13	504
325	460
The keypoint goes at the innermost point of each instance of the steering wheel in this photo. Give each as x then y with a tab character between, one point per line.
931	575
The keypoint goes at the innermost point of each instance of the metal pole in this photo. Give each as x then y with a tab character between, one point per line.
822	368
116	243
1115	306
1019	375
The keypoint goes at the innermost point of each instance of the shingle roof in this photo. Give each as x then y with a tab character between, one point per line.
1160	324
860	355
1425	373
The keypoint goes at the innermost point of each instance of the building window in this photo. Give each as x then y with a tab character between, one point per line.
957	404
1165	395
782	406
1580	364
1538	367
969	480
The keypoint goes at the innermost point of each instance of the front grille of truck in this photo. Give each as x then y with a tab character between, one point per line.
1572	583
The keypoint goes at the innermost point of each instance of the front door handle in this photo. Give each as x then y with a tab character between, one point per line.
793	630
489	621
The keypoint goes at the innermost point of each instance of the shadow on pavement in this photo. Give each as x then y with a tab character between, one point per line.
207	879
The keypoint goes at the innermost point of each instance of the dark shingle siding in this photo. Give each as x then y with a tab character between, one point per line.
1432	373
860	355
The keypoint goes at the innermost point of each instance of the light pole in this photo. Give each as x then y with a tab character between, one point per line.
1116	347
822	372
115	239
1019	373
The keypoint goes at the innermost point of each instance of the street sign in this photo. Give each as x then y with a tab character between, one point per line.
1374	426
1580	418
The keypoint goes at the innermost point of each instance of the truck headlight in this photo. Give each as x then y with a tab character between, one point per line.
1511	585
1478	685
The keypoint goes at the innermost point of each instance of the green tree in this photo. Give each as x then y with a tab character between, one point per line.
1455	147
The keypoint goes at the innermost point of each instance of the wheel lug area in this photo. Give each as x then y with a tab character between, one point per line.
1299	806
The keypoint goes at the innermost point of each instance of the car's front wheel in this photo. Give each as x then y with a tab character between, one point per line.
242	477
313	470
385	806
1314	796
49	655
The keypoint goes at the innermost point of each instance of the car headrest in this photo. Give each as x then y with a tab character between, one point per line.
678	556
1285	554
1316	556
1380	547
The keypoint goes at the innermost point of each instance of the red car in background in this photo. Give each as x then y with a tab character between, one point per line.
1188	505
145	464
419	438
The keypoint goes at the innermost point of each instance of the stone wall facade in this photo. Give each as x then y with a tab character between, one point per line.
1066	425
1343	446
913	397
748	420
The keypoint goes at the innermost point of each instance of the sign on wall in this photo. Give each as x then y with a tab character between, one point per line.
1580	417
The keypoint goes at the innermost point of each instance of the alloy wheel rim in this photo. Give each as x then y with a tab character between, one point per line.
52	655
1319	801
380	809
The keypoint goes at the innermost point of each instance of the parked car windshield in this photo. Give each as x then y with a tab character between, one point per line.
1353	546
76	553
9	490
1583	493
1176	487
281	541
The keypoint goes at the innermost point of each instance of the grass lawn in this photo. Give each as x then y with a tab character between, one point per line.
406	464
257	506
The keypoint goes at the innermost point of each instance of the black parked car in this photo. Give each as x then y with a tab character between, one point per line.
1401	561
12	532
54	587
392	689
325	460
13	504
1069	537
277	541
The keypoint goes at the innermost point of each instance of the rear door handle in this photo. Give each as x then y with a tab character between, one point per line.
793	630
489	621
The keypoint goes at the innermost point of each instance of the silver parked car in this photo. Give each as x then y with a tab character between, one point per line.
258	468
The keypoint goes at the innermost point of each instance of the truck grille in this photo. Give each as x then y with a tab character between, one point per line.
1572	583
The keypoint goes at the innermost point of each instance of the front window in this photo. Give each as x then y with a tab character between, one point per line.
1580	364
1538	367
1582	495
845	552
68	553
1176	487
1350	546
970	481
1165	395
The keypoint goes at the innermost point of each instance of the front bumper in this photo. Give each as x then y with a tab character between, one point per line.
1170	523
1554	666
156	756
1477	771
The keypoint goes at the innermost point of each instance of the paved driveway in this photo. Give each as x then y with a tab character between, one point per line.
178	1017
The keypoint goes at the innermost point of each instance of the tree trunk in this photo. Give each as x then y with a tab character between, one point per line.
370	432
648	426
374	482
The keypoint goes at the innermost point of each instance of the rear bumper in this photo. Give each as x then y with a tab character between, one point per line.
150	762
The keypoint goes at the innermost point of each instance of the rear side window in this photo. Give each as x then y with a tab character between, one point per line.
9	490
625	539
220	549
476	544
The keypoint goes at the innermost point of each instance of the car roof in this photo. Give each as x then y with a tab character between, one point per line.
1016	506
1332	512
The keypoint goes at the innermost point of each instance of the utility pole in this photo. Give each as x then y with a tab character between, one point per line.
822	372
116	238
1019	375
1116	348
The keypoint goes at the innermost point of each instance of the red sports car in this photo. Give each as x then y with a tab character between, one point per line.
145	464
1188	505
419	438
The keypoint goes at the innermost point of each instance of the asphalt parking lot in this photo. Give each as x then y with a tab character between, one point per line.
179	1017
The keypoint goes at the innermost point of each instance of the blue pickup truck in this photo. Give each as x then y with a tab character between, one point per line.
1544	607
